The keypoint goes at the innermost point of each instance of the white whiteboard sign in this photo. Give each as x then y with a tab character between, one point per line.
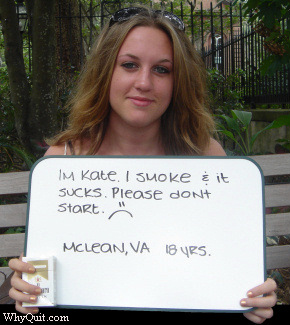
149	233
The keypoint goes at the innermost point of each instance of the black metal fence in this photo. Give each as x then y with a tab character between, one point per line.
221	35
241	50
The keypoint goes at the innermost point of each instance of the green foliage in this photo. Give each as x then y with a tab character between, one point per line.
285	143
3	262
236	128
11	153
269	11
279	122
14	230
6	108
268	16
225	92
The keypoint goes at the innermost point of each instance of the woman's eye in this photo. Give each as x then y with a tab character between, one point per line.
161	70
129	65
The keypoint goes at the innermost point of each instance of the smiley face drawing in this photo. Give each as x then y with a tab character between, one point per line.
121	204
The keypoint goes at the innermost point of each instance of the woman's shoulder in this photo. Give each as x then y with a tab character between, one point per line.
58	150
76	148
214	149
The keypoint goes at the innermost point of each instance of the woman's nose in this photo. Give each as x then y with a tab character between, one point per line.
144	80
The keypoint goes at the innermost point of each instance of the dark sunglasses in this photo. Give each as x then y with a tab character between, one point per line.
126	13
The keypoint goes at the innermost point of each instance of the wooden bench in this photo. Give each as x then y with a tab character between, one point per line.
276	195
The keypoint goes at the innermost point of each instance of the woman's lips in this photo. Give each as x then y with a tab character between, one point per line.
141	101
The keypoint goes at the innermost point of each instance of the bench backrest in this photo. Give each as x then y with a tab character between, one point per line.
276	196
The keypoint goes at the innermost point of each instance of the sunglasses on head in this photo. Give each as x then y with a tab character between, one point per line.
126	13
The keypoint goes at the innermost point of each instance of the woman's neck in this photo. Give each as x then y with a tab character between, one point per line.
130	141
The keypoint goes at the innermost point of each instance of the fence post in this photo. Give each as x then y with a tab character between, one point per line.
191	22
222	50
252	67
242	49
212	37
232	41
201	28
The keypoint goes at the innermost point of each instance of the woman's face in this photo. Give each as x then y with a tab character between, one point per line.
142	80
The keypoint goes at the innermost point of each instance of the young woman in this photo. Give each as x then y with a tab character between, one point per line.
142	92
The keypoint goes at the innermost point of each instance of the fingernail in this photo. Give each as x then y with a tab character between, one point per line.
37	291
31	270
250	294
33	298
243	302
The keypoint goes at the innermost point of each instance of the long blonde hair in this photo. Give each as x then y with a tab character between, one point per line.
186	126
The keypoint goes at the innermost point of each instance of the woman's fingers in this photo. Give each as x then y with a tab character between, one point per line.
259	316
21	296
267	287
21	291
20	285
262	297
254	298
260	302
17	265
16	280
25	310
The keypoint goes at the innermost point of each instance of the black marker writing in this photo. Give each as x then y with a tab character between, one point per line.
202	194
121	193
222	178
107	248
64	176
82	209
98	175
121	211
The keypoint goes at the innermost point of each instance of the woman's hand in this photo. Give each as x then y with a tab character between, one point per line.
263	304
20	286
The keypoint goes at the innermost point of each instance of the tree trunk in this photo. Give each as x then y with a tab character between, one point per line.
36	109
69	49
43	108
68	30
19	86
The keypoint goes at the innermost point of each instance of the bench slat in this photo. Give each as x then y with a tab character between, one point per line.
273	164
278	257
14	183
277	195
11	245
13	215
278	224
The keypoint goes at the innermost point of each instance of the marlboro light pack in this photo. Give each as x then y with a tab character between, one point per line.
43	277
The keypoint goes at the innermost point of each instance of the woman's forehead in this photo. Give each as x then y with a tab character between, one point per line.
144	40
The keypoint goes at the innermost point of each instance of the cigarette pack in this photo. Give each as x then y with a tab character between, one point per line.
43	277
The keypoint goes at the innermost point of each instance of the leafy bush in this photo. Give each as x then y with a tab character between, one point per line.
12	155
236	128
267	17
224	91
